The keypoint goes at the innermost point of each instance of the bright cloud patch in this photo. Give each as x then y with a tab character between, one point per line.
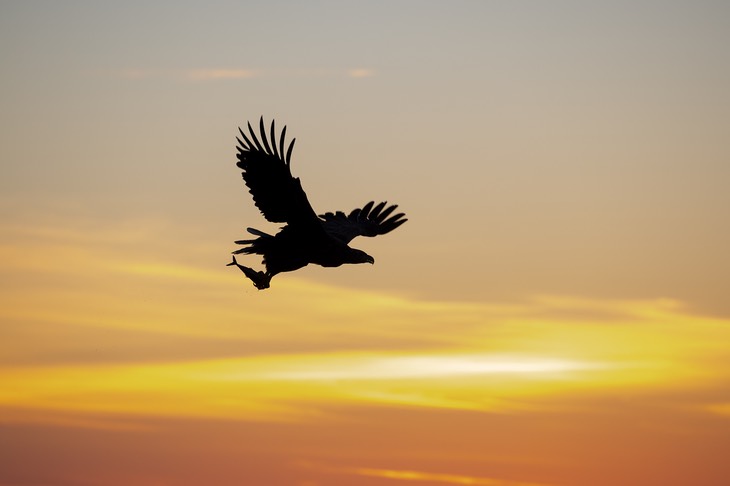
361	73
221	74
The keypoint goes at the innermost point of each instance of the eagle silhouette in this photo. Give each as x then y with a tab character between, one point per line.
306	237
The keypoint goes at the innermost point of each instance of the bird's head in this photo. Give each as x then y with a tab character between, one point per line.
359	256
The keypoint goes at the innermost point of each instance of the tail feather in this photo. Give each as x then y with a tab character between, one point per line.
256	245
260	233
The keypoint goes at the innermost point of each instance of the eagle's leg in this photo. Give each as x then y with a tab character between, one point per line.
260	280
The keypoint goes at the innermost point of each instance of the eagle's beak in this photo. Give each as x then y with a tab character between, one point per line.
371	260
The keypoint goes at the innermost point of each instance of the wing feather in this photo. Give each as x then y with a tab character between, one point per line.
365	221
278	195
273	140
288	152
281	141
263	136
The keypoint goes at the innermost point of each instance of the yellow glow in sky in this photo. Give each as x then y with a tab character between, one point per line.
471	356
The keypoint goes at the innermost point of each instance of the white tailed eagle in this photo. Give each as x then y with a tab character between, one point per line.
305	237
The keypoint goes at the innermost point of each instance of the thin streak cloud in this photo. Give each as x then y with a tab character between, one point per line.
361	73
438	478
401	367
201	74
413	475
221	74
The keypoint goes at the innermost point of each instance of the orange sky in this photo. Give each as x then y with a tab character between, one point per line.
554	313
119	367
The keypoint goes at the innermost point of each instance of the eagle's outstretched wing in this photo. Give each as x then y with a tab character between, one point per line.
267	173
365	221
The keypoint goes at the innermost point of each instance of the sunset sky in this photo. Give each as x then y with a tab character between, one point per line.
556	311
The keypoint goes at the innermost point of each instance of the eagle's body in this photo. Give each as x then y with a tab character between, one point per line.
306	238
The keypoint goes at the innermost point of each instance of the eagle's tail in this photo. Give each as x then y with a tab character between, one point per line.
257	245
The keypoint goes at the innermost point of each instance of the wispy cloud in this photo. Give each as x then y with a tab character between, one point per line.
425	366
722	409
417	476
438	478
197	74
241	73
361	73
221	74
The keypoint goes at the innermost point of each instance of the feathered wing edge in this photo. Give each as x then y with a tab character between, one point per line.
370	220
266	148
266	170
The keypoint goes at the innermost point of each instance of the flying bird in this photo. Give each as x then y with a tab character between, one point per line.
305	237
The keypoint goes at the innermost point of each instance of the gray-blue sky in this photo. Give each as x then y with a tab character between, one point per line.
540	146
